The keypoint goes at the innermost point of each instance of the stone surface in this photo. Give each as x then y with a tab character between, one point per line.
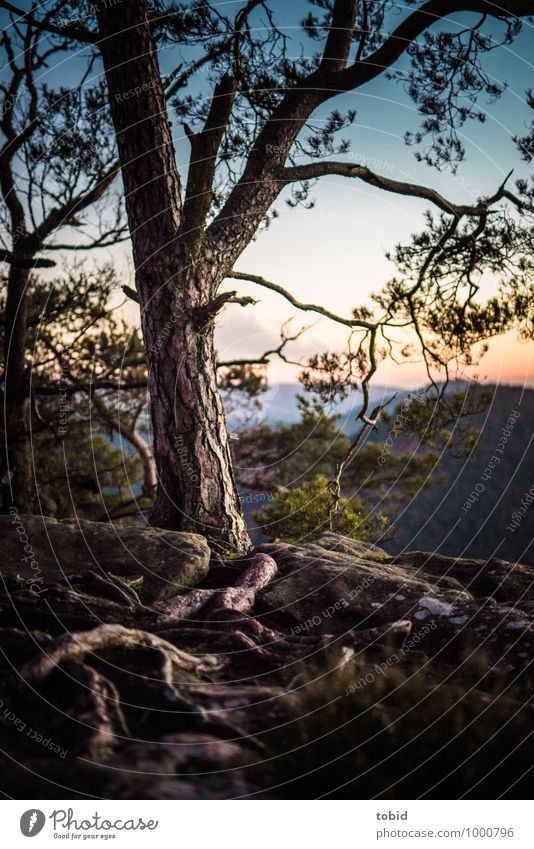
134	687
190	564
457	607
498	579
41	550
331	578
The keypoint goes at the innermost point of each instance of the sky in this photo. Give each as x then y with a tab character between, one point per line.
334	254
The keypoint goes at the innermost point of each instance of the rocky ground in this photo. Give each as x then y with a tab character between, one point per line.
136	664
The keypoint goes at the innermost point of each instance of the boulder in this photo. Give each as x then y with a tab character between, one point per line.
190	559
338	577
457	607
43	551
493	578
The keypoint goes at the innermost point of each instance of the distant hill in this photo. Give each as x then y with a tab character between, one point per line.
279	404
435	519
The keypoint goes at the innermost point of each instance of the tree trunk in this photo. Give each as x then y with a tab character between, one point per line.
17	482
196	488
150	473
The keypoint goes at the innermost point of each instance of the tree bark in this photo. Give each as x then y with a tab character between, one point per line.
17	483
196	487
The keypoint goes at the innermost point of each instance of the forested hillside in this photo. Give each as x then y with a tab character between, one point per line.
435	518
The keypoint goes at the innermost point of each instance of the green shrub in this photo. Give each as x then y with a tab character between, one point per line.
303	513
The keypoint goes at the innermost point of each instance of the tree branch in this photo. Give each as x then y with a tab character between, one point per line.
274	287
339	40
75	32
204	149
60	216
259	185
88	387
314	170
412	27
22	262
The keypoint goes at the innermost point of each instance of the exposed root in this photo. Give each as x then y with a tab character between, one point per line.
213	603
83	643
183	607
100	712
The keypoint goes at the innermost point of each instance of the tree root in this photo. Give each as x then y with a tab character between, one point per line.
101	712
215	603
203	662
160	690
106	637
242	595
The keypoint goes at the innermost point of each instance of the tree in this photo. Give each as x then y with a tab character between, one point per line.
299	515
88	396
252	138
57	162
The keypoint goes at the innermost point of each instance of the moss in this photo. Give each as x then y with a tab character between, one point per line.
376	556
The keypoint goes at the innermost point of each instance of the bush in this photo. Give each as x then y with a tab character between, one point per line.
303	513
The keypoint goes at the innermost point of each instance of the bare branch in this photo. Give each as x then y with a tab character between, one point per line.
265	358
22	262
239	24
335	483
75	32
89	387
274	287
178	78
61	215
107	240
131	293
314	170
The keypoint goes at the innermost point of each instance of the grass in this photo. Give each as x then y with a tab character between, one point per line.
416	730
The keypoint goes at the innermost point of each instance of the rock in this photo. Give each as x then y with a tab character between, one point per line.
330	577
457	607
346	545
190	564
41	550
57	612
498	638
508	582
